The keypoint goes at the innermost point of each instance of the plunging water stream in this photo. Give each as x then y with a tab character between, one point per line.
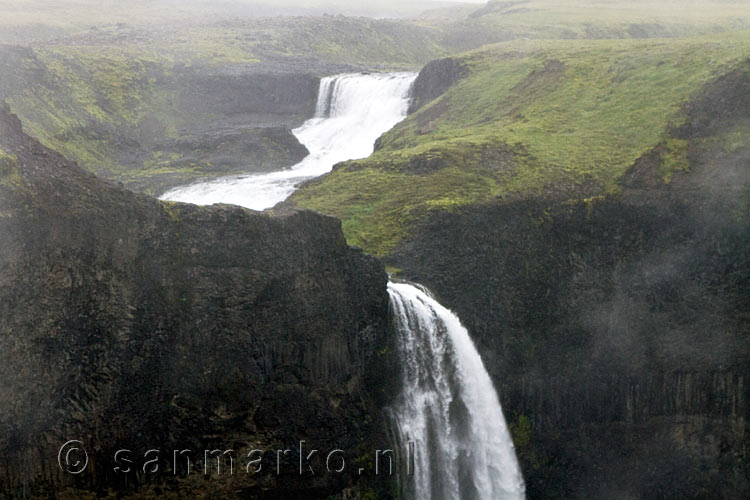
448	407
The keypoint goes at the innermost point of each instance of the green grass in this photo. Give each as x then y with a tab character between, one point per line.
503	20
5	156
531	118
109	78
83	95
8	166
535	114
10	176
84	100
609	19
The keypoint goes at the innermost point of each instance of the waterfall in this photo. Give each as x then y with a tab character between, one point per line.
448	407
352	111
325	95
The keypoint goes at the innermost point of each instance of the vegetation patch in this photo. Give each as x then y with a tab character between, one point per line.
531	118
9	174
93	94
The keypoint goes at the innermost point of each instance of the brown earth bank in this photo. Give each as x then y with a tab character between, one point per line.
615	327
127	323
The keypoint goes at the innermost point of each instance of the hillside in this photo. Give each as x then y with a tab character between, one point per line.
560	120
130	323
156	96
572	180
584	208
158	108
26	21
597	19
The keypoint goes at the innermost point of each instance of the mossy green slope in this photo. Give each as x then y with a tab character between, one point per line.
77	95
106	86
562	119
9	175
88	95
567	19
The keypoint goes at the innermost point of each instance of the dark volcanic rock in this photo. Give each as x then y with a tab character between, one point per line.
617	332
616	328
130	323
726	101
223	152
231	121
434	80
262	98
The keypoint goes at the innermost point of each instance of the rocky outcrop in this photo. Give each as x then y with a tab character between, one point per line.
127	323
246	94
615	327
434	80
222	152
615	332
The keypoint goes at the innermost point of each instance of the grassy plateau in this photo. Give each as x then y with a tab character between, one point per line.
529	118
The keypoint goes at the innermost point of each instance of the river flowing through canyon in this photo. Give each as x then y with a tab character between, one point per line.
352	111
448	408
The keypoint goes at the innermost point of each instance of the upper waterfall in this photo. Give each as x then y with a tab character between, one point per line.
352	111
448	408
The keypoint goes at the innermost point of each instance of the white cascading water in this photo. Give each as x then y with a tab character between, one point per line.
353	110
449	409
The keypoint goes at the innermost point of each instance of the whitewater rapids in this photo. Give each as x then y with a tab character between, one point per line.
352	111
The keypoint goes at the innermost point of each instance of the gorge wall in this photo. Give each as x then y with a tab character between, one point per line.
130	323
615	327
153	124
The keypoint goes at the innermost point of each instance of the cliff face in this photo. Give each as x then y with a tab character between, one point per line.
130	323
616	327
154	124
434	79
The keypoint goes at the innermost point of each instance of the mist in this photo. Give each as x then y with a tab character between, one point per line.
71	14
508	239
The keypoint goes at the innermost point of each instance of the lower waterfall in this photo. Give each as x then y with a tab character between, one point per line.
448	409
